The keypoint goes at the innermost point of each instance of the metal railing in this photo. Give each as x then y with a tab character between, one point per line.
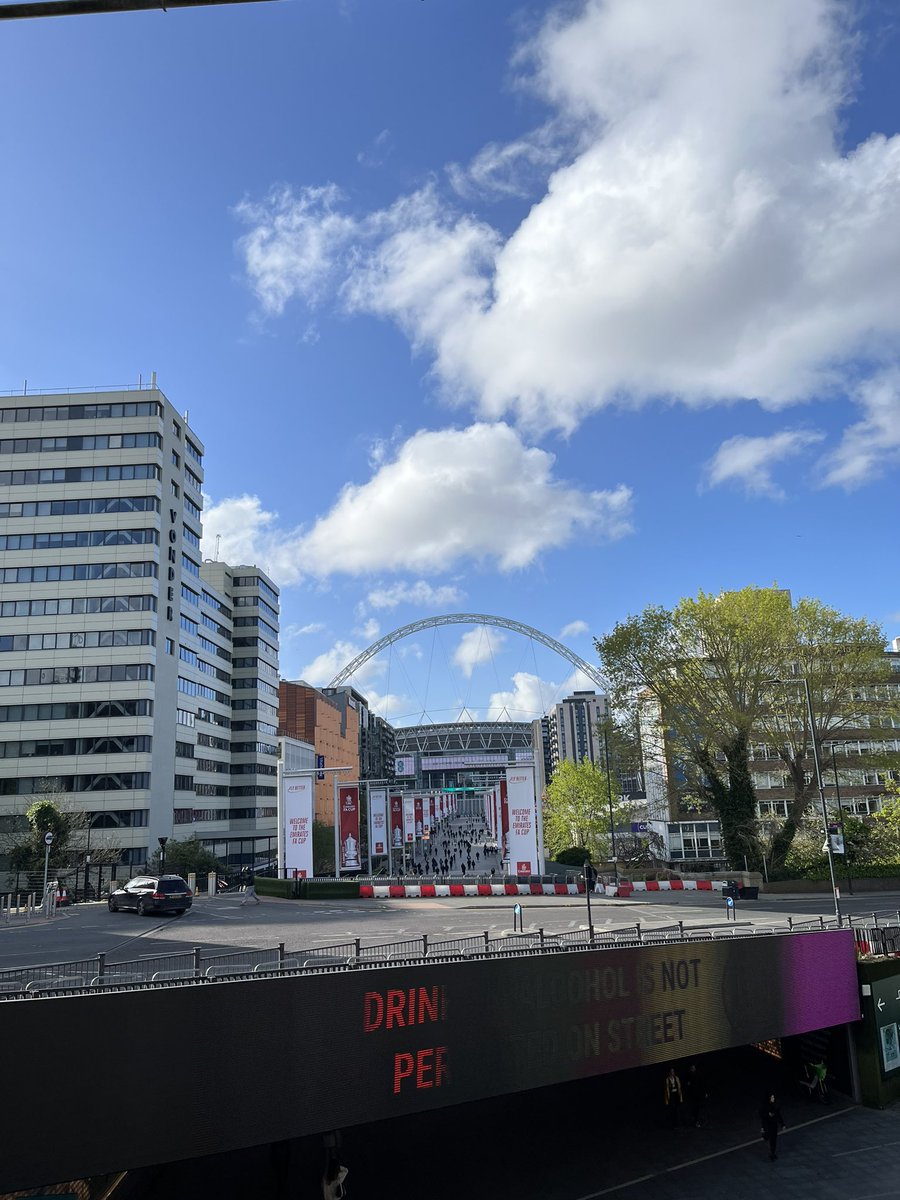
74	391
198	966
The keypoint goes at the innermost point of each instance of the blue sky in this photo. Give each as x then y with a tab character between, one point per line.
545	311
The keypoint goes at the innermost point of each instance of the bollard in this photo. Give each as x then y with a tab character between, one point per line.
18	902
197	953
281	954
211	884
101	965
487	940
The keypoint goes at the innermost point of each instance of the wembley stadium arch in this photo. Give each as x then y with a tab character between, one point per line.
467	756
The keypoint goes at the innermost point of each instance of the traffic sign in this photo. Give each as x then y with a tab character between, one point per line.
48	838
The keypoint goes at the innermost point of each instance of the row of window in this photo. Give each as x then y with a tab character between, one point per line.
70	571
79	474
67	606
204	716
255	602
108	673
268	710
190	688
212	766
187	816
190	537
254	748
94	441
212	648
80	412
81	640
254	727
253	769
258	685
192	509
256	643
242	581
80	508
194	480
123	781
54	747
76	710
216	605
193	451
208	621
71	539
188	564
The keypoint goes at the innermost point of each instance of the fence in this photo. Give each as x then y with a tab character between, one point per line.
198	966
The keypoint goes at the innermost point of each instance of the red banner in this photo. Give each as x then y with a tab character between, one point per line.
418	811
348	802
504	819
397	822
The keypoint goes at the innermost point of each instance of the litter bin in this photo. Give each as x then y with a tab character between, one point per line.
749	893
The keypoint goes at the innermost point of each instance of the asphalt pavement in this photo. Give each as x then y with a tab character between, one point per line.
220	923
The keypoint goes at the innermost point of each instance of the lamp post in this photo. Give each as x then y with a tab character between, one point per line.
837	792
821	788
589	875
612	824
162	854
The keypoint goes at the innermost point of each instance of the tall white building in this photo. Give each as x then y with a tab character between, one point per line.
116	672
573	729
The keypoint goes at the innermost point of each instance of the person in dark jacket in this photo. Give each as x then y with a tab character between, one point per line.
694	1093
771	1121
672	1098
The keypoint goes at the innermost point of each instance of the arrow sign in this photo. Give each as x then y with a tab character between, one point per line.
880	1005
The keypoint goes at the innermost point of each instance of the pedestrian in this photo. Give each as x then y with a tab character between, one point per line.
673	1098
249	894
333	1177
771	1120
695	1093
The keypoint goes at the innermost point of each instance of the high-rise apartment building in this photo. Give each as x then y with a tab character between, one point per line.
572	729
116	674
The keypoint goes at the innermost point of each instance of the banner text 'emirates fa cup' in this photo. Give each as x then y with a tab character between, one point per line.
298	826
378	828
523	851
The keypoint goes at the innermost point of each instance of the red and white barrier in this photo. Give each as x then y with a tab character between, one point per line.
415	891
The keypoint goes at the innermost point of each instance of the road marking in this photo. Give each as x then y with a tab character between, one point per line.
864	1149
693	1162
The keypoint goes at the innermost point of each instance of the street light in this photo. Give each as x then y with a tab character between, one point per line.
589	876
819	785
612	825
162	854
837	792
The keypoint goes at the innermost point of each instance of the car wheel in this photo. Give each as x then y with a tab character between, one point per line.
113	905
142	908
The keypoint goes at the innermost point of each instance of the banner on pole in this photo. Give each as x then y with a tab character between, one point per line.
378	834
397	821
430	815
348	803
409	820
420	828
522	836
504	819
297	808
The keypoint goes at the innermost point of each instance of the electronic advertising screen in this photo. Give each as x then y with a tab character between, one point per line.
316	1052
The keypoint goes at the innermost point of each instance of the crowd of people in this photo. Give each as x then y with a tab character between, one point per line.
458	847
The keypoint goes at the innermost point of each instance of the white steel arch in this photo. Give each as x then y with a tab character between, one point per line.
593	673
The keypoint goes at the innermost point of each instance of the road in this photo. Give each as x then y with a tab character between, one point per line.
221	923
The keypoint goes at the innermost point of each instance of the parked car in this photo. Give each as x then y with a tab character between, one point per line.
148	894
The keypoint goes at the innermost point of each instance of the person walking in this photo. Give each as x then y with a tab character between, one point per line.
771	1120
673	1098
249	894
694	1093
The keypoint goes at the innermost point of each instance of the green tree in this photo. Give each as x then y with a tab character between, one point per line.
722	677
182	857
323	848
576	809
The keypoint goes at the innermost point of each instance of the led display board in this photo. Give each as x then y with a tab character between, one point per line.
316	1052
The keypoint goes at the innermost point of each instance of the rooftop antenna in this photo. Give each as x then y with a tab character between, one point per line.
218	540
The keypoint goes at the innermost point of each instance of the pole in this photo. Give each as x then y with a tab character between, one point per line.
821	787
612	824
279	816
337	829
46	868
837	792
588	884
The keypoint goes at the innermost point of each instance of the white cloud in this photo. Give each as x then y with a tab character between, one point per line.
370	629
749	460
388	704
325	666
531	697
477	646
872	445
707	239
421	594
479	494
375	154
290	632
574	629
